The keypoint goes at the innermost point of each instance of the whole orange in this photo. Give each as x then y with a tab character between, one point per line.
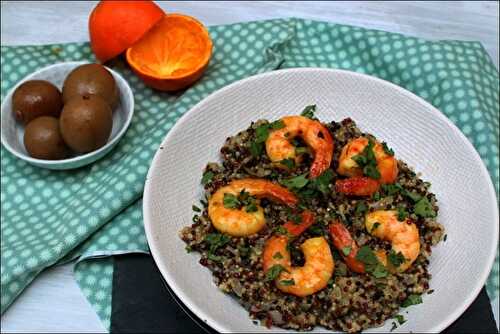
114	26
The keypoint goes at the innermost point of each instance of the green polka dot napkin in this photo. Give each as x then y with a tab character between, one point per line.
89	214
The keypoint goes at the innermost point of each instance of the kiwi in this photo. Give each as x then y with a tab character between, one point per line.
43	140
35	98
91	79
86	123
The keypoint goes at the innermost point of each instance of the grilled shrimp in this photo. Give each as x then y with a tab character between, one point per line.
241	221
382	224
403	235
318	267
357	184
316	136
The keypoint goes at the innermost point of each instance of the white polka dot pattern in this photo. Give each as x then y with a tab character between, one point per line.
46	214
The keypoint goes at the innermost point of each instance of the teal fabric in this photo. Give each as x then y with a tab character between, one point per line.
51	217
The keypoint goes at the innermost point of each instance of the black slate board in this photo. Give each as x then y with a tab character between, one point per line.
143	303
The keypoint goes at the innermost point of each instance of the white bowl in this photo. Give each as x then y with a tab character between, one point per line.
12	132
418	133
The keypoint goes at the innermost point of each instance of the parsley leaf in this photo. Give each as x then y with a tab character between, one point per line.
400	318
252	207
261	133
296	182
207	177
296	219
274	272
375	226
196	209
281	230
366	255
316	230
288	163
256	148
277	255
387	150
346	250
390	189
322	182
230	201
371	171
361	208
396	259
402	214
424	209
216	240
309	111
287	282
379	271
276	125
366	160
412	300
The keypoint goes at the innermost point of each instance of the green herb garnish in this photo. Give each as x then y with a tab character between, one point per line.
207	177
230	201
281	230
378	271
387	150
400	319
375	226
423	208
396	259
412	300
371	171
366	255
216	240
277	255
322	182
196	209
256	148
274	272
346	250
402	214
366	160
376	196
309	111
287	282
296	182
288	163
361	208
276	125
301	150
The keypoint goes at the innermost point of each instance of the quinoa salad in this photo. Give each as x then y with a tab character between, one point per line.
310	223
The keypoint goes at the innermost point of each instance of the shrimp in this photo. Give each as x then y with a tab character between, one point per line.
316	136
357	184
403	235
318	267
240	222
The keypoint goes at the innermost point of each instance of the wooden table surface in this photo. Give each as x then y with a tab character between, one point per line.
53	302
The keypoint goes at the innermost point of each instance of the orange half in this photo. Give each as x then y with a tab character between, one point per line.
173	54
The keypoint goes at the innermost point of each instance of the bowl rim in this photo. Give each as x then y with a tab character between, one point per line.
148	222
61	162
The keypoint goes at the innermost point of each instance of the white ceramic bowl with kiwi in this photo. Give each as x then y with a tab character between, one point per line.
74	129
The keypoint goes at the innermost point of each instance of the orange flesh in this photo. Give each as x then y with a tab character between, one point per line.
176	46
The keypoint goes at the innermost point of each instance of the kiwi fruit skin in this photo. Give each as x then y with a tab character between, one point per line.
35	98
86	123
91	79
43	139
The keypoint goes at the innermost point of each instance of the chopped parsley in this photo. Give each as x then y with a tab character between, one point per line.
288	163
366	160
316	229
256	148
309	111
322	182
261	134
390	189
402	214
230	201
296	182
294	218
196	209
361	208
375	226
346	250
287	282
277	256
387	149
423	208
412	300
207	177
372	264
376	196
400	318
274	272
215	240
244	251
395	259
281	230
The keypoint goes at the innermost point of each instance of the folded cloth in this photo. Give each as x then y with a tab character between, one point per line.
51	217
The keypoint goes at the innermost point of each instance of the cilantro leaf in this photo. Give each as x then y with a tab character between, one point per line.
412	300
274	272
207	177
309	111
424	209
